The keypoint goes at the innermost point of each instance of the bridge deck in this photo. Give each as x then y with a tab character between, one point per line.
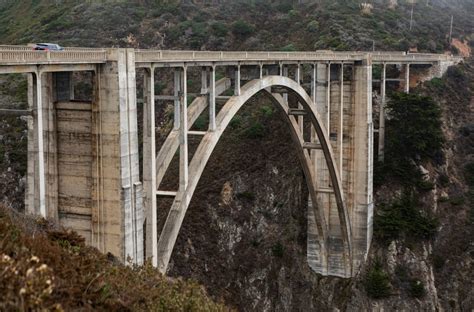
22	55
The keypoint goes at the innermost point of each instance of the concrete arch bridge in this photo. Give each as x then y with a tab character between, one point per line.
83	156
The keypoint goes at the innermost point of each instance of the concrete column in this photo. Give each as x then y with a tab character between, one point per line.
39	133
149	166
362	214
328	98
284	71
183	131
314	78
117	188
204	77
177	90
341	120
261	70
298	80
212	100
237	81
42	181
383	85
30	206
407	78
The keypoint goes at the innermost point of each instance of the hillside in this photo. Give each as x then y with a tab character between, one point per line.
244	238
230	25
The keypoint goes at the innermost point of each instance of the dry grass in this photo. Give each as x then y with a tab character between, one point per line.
45	267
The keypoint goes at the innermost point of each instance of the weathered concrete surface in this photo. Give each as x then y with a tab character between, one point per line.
90	151
178	210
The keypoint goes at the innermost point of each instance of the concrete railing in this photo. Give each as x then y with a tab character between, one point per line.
31	48
169	56
190	56
407	57
12	55
47	57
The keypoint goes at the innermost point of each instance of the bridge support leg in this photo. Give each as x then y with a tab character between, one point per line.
340	138
328	98
298	80
237	81
149	166
314	77
212	100
177	90
183	132
204	77
383	85
42	186
39	133
407	78
362	214
119	210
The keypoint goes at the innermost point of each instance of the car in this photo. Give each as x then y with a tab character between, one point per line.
47	47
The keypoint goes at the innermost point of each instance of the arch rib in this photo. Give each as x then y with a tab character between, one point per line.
178	210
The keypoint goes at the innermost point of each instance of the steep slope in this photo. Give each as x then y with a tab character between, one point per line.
249	25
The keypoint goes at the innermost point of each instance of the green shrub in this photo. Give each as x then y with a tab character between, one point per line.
312	26
219	29
288	48
377	282
436	83
425	185
403	218
201	123
413	132
443	180
293	13
438	262
246	195
414	127
278	250
267	111
242	28
469	174
255	131
417	288
236	122
457	200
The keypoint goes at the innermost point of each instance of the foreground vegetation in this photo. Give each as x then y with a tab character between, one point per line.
46	268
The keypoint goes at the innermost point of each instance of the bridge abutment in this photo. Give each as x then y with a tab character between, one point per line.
90	151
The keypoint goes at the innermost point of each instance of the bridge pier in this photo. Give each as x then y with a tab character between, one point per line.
351	123
149	165
84	172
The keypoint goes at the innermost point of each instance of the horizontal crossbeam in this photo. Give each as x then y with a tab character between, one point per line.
197	132
166	193
296	112
15	112
312	145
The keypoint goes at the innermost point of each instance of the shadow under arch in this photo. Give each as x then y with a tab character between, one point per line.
199	161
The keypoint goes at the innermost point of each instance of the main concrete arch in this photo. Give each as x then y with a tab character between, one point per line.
197	165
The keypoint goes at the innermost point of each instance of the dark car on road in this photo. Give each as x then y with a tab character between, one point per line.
47	47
